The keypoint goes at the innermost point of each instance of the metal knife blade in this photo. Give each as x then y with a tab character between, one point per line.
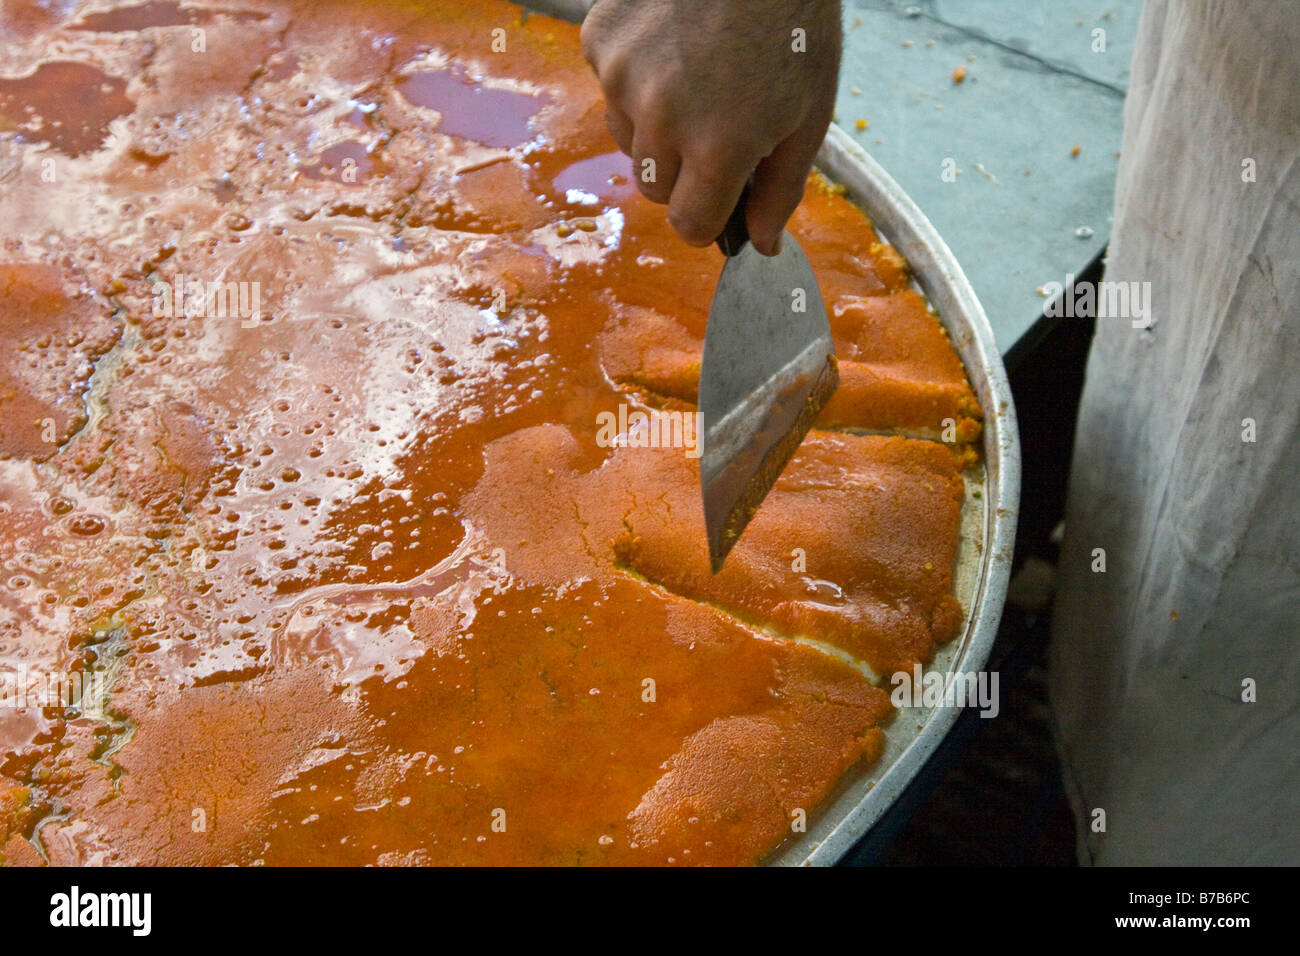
767	372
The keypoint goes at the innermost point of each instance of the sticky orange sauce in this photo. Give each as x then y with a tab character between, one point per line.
311	337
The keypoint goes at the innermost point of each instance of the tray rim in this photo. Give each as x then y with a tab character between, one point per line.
936	270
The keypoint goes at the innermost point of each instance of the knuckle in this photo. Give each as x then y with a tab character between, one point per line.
656	192
619	126
590	47
721	161
592	35
657	106
691	228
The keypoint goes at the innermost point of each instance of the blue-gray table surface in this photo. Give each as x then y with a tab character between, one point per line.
1017	208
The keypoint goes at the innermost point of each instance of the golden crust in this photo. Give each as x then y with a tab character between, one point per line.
363	576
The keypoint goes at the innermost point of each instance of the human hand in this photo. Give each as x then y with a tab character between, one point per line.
702	93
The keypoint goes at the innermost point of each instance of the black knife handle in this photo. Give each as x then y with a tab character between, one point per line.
735	234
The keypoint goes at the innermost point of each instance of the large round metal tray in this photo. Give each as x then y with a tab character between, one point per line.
988	514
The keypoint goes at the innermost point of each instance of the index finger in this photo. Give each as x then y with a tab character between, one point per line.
707	189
